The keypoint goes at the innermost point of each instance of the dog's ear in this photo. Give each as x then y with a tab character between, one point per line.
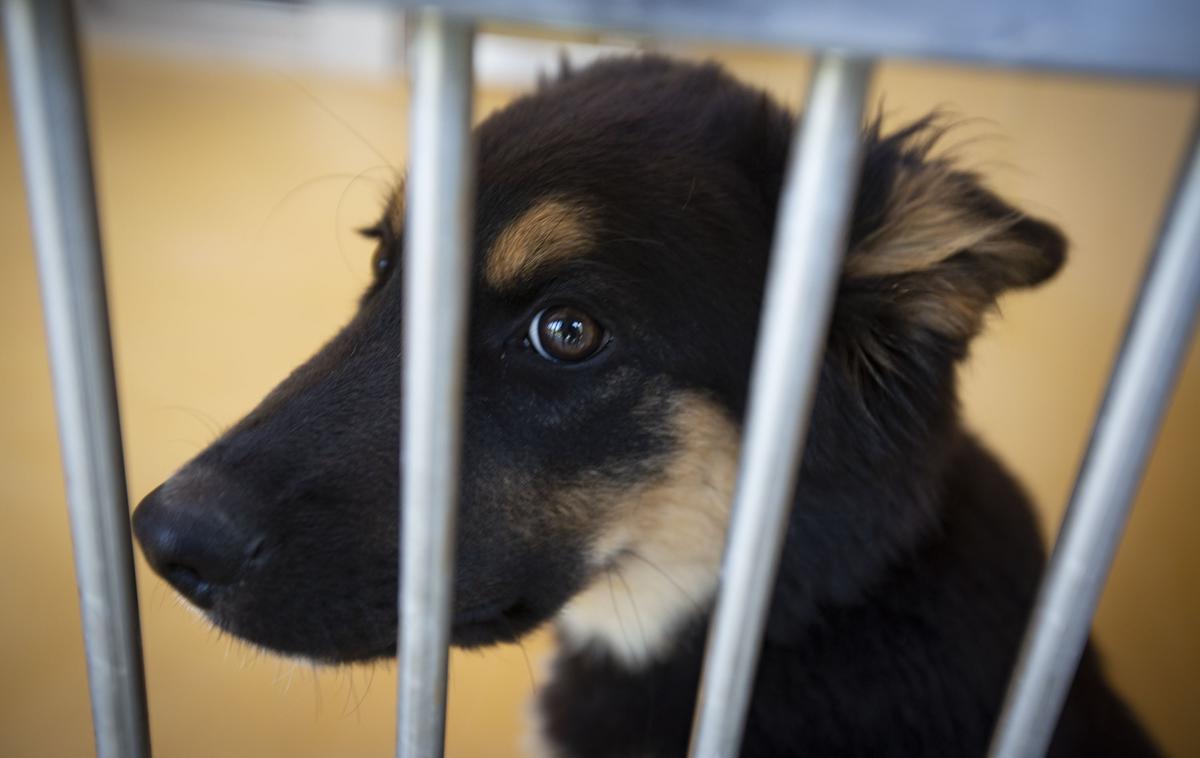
932	248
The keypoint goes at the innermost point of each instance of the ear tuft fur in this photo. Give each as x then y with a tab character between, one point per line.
933	242
565	71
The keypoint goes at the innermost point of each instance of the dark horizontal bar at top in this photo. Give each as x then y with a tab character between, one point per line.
1149	38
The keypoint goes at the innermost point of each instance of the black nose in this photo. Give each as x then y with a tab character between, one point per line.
190	531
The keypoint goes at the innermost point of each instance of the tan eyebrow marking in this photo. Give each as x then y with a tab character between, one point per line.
552	230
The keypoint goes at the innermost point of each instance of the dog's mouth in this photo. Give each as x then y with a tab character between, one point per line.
478	626
492	623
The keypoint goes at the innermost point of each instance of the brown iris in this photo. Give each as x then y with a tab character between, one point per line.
565	334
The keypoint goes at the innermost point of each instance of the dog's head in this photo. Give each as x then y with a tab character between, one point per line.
623	222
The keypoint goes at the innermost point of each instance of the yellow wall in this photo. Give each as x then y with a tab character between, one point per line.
228	198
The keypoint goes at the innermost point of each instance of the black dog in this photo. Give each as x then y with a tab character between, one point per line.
624	218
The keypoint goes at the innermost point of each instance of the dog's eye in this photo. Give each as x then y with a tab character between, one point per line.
381	261
563	334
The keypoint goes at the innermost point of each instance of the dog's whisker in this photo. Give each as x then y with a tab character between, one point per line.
337	214
637	617
208	422
345	176
617	612
524	653
336	117
533	686
159	595
316	679
351	695
370	681
663	573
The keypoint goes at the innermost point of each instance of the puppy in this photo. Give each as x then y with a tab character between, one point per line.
624	216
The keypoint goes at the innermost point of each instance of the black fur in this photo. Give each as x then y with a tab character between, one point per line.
911	557
916	667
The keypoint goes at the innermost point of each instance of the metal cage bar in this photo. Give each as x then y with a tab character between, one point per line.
440	196
43	63
1139	389
1154	38
813	219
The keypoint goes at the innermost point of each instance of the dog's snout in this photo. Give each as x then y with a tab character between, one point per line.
191	539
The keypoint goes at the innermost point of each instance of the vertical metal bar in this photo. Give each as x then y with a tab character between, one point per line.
1156	343
437	267
43	63
814	215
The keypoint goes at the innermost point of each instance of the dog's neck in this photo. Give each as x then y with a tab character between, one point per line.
639	604
657	565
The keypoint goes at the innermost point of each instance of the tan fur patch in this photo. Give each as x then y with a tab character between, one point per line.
659	559
552	230
925	223
928	220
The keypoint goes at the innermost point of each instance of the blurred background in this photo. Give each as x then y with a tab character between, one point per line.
238	146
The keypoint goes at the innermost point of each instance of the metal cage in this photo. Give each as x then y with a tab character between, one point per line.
1144	38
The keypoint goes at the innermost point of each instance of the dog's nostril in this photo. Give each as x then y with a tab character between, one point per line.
182	574
192	536
189	583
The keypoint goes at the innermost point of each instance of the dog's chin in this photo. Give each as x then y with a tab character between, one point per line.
305	641
471	629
